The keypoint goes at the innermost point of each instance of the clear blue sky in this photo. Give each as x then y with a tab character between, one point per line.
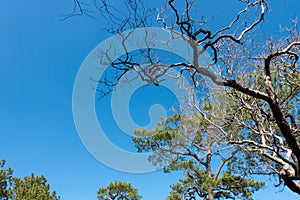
40	56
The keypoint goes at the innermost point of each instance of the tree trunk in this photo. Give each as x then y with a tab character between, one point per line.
210	195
